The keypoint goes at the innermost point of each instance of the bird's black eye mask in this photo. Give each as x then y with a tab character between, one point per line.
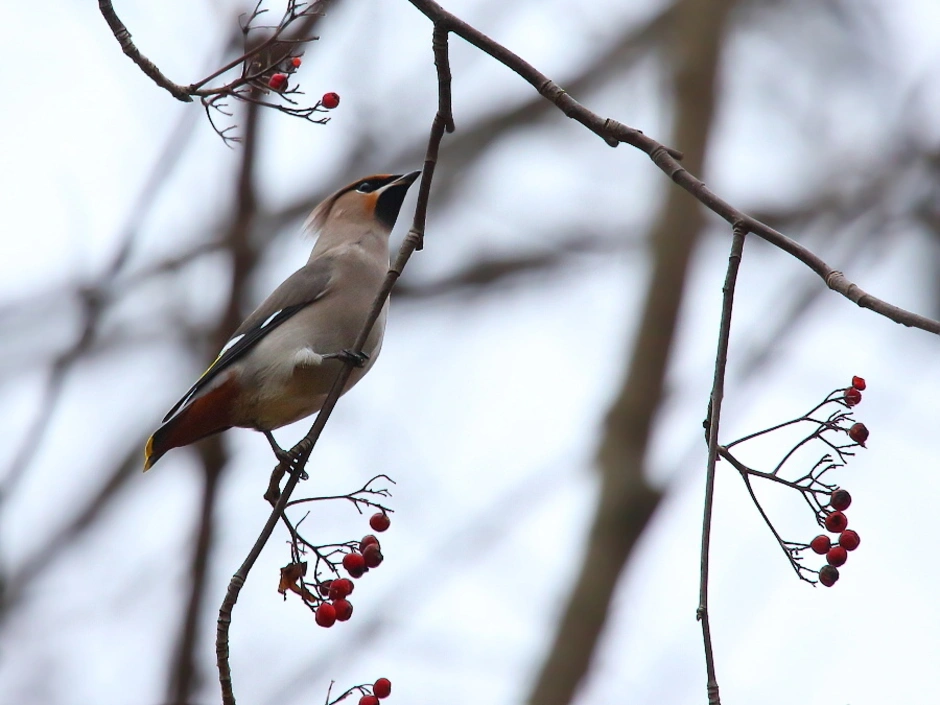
374	183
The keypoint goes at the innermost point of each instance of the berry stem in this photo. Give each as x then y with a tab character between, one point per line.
784	546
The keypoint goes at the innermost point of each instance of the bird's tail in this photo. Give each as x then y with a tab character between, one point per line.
203	416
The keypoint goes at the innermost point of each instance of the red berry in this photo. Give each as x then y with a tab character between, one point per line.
343	609
278	81
324	587
340	588
859	383
849	540
372	555
380	522
295	62
329	100
354	564
836	556
368	540
821	544
382	688
859	433
828	575
852	396
368	700
836	522
326	615
840	499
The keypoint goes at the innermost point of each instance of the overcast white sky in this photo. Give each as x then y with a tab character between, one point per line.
485	413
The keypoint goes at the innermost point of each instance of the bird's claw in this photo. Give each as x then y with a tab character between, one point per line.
291	462
356	359
297	469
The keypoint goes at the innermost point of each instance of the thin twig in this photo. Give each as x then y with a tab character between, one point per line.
784	424
301	451
714	415
354	496
784	546
745	470
254	51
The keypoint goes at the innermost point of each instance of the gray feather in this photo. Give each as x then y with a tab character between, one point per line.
308	284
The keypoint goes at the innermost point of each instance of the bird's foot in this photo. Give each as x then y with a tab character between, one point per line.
287	459
356	359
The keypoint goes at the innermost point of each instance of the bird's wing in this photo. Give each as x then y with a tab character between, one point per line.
303	287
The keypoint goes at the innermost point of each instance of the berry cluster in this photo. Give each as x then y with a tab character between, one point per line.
381	689
278	81
338	609
368	554
834	519
370	693
852	396
824	426
836	522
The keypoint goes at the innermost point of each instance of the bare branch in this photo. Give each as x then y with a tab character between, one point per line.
714	417
473	140
666	159
146	65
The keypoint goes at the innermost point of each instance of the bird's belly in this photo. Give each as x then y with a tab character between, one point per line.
288	378
297	394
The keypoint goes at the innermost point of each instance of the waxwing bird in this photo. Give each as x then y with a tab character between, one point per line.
279	365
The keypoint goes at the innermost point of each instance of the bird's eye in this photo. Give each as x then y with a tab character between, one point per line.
366	187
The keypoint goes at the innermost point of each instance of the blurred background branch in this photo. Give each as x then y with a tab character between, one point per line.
627	501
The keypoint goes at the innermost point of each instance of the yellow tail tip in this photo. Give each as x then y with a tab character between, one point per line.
148	454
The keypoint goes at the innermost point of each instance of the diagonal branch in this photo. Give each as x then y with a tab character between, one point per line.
301	451
666	158
475	138
146	65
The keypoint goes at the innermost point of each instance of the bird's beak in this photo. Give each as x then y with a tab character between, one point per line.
407	179
391	196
